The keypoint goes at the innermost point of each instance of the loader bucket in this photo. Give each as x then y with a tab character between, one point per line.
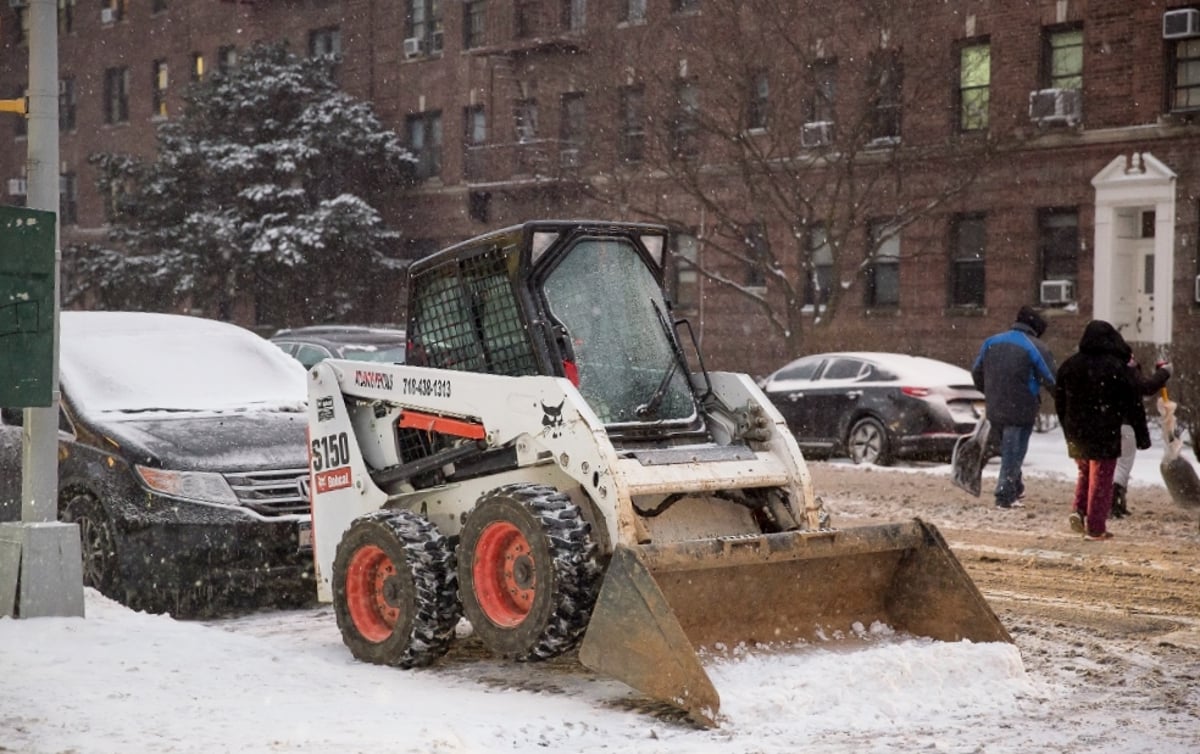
659	604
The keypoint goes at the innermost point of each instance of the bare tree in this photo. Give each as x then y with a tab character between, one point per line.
799	139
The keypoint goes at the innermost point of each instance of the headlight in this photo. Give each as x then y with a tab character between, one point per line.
204	486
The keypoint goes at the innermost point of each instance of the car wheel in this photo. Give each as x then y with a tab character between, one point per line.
868	442
98	543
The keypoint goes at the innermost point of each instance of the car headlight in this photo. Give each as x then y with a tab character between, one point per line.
203	486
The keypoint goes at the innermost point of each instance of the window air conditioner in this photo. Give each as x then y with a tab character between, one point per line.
568	158
16	187
1058	291
1055	106
107	15
1182	23
412	47
816	134
1196	293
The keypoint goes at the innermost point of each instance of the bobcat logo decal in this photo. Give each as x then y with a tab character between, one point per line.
552	420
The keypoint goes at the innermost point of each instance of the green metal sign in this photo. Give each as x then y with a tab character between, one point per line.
27	240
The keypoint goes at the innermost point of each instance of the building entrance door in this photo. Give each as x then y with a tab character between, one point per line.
1133	280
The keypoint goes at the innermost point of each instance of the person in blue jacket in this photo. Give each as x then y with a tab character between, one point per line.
1010	371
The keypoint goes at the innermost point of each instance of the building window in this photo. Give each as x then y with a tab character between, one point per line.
68	199
66	16
66	104
633	124
1062	59
116	95
423	22
685	280
685	125
819	280
158	6
113	10
1185	74
885	83
525	18
474	23
525	125
574	14
754	237
572	126
197	66
968	238
474	139
425	142
818	106
22	25
684	6
1058	244
227	58
974	86
758	106
159	94
633	11
883	270
325	42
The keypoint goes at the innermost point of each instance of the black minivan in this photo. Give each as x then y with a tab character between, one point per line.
182	457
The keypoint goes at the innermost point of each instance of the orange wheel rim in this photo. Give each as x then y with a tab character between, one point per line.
371	593
503	570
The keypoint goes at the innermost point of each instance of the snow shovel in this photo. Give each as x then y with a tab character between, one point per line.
1180	477
969	458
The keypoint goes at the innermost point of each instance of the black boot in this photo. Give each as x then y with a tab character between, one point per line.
1119	509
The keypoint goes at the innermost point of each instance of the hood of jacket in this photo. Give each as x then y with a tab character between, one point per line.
1101	337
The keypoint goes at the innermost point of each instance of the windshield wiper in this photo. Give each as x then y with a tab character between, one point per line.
649	409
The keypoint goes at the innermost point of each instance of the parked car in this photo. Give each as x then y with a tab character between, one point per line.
875	407
358	342
183	458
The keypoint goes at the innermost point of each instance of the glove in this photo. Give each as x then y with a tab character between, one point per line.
1164	365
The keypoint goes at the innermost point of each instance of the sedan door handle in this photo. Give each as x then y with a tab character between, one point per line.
854	394
795	396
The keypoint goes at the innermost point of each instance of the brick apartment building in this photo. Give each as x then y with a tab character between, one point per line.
999	152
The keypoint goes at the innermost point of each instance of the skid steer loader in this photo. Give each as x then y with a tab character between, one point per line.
548	464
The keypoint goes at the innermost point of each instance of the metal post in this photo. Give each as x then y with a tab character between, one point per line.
47	552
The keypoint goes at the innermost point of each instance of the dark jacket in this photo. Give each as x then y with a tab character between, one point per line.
1095	395
1009	369
1144	386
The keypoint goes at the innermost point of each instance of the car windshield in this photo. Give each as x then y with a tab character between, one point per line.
136	362
608	300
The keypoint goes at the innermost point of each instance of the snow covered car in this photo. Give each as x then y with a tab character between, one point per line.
183	458
315	343
875	407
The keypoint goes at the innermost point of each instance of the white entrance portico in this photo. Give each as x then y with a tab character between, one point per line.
1134	257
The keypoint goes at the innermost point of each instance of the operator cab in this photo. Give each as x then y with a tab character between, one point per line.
577	300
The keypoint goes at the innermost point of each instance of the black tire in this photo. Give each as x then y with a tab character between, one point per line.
528	572
867	442
394	590
98	543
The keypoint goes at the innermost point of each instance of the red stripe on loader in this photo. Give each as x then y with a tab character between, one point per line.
432	423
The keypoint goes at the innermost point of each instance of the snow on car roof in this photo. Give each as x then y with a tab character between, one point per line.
142	361
907	367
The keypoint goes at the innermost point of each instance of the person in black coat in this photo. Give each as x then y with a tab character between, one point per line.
1145	386
1093	396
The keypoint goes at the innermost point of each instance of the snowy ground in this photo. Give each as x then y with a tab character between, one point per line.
119	681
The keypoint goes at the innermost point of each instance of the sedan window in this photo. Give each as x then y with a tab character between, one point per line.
803	370
309	355
843	369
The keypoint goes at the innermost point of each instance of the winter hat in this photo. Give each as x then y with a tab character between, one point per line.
1027	316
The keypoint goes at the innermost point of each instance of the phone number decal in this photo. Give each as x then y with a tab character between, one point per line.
425	387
